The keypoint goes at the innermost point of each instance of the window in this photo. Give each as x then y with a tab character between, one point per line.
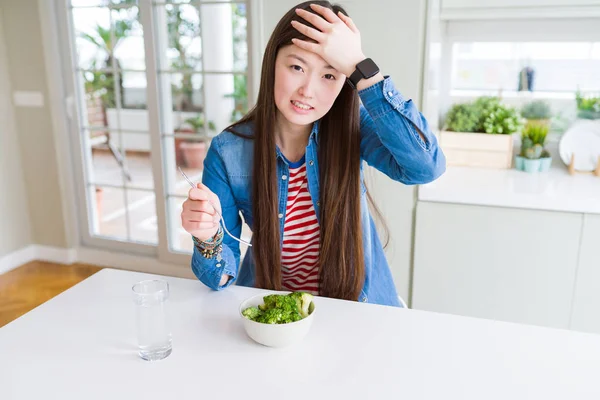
559	67
154	82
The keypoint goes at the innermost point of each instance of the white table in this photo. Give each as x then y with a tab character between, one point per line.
81	345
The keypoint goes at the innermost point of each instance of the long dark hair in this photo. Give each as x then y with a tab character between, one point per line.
341	258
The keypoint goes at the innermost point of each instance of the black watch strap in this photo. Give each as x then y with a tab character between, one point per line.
364	70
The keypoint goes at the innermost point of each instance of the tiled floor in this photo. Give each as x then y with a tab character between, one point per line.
132	212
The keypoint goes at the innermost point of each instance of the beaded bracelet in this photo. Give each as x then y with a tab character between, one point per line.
211	247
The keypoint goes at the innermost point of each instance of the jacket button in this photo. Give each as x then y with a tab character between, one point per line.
390	94
318	204
364	299
311	162
280	215
284	177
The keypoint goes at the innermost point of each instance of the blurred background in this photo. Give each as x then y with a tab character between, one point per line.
102	100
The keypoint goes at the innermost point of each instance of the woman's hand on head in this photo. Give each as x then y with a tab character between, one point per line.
198	216
338	38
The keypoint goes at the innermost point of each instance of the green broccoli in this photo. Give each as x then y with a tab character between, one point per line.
271	316
303	301
278	301
252	313
280	309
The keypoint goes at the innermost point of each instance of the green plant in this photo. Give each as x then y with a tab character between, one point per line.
461	118
484	115
533	138
500	119
537	133
197	123
537	109
587	107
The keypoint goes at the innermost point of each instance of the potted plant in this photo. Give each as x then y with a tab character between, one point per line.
479	134
194	149
537	112
587	107
533	157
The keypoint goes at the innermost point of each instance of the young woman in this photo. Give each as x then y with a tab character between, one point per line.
293	167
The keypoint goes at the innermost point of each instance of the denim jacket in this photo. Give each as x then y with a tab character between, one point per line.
390	142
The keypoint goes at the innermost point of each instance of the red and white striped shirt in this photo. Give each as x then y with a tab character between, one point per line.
300	252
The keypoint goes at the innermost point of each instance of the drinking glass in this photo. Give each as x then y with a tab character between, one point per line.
153	331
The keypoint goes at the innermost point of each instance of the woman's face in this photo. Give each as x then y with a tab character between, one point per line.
305	85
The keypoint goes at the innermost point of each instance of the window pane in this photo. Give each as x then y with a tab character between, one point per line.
128	38
110	211
550	67
92	32
134	91
187	153
106	161
183	30
98	94
226	99
224	30
180	240
138	165
141	206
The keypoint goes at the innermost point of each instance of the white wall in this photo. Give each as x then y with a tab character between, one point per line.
392	34
14	218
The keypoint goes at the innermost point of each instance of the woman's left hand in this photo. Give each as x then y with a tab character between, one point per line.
338	39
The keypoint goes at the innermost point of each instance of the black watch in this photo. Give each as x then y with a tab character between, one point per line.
364	70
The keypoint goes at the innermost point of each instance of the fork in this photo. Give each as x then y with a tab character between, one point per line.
217	211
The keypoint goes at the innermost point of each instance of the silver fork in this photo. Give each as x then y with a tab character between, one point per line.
217	211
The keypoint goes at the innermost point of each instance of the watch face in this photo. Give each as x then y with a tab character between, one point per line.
368	68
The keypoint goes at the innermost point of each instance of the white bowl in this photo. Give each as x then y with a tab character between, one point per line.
275	335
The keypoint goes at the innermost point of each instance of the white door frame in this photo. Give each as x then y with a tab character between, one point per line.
59	53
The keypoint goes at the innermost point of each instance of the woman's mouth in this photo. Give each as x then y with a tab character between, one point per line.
300	107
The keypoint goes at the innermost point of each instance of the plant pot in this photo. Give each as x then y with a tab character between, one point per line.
545	164
179	159
194	154
531	165
519	163
477	149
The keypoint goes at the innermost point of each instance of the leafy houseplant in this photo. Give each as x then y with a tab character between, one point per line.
587	107
479	133
537	112
484	115
533	157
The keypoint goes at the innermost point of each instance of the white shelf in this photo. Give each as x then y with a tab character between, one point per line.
554	190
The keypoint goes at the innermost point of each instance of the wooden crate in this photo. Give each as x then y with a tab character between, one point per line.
477	149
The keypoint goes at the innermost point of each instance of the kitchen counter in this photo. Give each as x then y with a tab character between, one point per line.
554	190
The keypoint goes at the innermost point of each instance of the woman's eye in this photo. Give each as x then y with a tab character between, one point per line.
297	67
330	77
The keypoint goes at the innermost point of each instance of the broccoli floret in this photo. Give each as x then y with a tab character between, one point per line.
252	313
271	316
303	301
292	316
278	301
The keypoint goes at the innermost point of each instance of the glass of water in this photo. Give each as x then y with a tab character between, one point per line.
153	331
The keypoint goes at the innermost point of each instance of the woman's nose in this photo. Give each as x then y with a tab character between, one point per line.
307	90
